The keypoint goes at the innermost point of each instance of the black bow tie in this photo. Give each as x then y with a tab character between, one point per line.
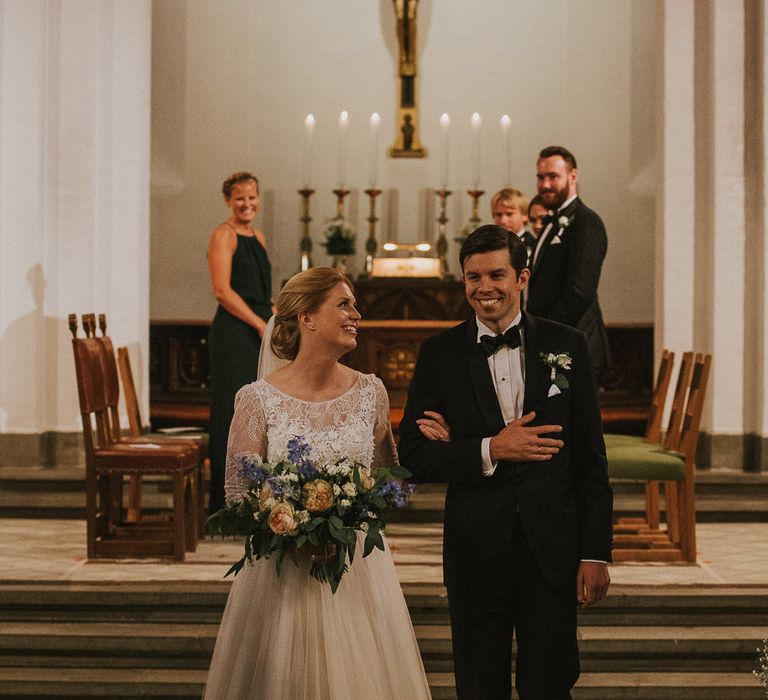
511	338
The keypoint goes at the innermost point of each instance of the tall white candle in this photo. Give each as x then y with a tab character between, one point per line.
373	163
343	124
445	123
476	122
506	123
309	127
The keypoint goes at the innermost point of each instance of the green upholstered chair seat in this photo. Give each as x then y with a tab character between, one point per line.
619	440
646	462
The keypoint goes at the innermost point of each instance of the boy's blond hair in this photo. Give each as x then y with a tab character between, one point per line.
510	197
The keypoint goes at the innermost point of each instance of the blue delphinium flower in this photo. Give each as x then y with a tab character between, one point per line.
282	487
393	492
298	454
298	450
252	469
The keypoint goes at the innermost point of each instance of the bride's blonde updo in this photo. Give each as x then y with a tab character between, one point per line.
303	293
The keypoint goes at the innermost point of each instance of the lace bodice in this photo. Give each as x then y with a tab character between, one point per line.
354	425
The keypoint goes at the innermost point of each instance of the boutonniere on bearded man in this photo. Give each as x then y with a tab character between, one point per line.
562	224
557	362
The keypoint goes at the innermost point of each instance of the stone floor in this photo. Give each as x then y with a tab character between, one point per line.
54	550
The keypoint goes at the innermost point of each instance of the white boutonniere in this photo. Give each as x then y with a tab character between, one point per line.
562	223
557	362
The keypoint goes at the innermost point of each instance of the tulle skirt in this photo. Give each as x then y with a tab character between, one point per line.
290	638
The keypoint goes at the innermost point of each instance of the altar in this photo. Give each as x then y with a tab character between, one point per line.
398	315
412	298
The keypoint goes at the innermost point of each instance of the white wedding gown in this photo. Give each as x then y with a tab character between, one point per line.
289	637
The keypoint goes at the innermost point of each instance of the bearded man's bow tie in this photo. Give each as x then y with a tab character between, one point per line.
511	338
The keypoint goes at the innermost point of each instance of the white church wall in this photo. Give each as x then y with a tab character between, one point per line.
74	216
233	81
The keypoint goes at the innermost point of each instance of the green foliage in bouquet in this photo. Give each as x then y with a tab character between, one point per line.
339	238
295	506
762	666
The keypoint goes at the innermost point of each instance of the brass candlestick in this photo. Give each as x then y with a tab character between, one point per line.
340	194
305	245
474	220
371	245
442	241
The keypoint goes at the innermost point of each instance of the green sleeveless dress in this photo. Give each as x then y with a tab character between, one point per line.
233	348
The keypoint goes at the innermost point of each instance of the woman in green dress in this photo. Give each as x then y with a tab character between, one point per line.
242	284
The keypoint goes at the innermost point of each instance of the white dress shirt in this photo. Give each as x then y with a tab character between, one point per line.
507	368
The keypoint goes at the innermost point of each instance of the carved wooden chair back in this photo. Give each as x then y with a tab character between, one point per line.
656	411
94	410
672	436
129	391
109	369
689	437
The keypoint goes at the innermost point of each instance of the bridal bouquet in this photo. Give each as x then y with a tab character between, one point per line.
298	503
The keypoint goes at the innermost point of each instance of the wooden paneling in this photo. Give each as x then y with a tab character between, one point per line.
180	377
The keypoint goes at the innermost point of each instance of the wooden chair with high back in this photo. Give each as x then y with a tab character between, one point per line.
620	446
675	465
137	430
652	432
110	459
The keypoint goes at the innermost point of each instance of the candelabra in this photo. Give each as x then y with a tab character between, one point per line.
442	241
370	244
340	239
474	220
305	246
340	194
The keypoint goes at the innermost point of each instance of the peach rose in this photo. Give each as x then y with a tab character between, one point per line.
367	482
318	496
282	520
266	497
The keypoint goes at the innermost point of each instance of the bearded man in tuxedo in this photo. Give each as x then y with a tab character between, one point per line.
503	408
566	264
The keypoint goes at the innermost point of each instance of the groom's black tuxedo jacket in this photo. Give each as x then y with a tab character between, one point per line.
564	280
565	504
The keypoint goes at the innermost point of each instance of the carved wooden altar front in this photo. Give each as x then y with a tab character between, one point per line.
424	299
398	315
389	349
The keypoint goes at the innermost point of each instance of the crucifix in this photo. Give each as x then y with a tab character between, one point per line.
407	144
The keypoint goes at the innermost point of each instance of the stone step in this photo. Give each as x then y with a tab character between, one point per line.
154	640
59	492
40	682
126	645
203	603
640	686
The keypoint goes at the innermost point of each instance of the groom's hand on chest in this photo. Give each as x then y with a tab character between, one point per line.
521	442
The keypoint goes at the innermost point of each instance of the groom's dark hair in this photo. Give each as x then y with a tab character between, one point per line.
491	237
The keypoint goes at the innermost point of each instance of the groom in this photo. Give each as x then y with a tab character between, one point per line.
528	509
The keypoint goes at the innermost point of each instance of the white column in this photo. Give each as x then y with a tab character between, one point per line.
727	274
74	195
675	233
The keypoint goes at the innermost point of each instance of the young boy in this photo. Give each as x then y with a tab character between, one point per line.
510	211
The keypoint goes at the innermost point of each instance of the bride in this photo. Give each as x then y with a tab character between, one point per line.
289	637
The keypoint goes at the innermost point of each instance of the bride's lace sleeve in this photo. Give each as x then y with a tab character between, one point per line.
247	435
384	453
